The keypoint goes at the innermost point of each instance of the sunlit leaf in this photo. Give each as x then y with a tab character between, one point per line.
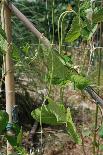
80	81
75	30
44	115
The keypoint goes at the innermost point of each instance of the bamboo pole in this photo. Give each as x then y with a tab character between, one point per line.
30	26
9	75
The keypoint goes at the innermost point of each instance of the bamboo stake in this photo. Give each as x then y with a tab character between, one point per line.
9	75
30	26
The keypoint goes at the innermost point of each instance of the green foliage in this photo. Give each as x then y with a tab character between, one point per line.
56	114
20	150
75	30
79	81
40	16
44	114
19	137
57	66
98	16
15	138
12	139
87	33
71	127
47	114
84	24
3	120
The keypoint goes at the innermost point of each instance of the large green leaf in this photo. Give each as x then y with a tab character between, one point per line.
84	5
58	110
80	81
3	120
56	114
98	16
44	115
53	113
12	139
15	136
71	129
75	30
59	72
87	34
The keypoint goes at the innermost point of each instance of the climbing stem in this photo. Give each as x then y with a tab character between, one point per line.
60	20
53	4
95	132
97	108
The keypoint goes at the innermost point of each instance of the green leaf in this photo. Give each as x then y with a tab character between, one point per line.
92	32
86	34
15	137
58	64
16	129
75	30
67	59
98	16
58	110
71	128
53	113
19	137
44	115
3	120
79	81
84	6
12	139
56	114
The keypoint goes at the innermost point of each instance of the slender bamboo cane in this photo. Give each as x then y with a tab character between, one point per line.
30	26
9	75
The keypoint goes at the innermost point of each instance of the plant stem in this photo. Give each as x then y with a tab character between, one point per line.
53	3
95	133
61	94
8	68
96	115
51	73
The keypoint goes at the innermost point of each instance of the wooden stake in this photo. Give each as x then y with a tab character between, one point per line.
29	25
9	75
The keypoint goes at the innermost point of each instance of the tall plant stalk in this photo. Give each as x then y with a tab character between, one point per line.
97	108
53	4
9	75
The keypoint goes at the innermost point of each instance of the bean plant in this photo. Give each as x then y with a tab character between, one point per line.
56	67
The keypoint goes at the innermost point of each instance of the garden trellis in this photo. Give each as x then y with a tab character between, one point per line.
8	7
